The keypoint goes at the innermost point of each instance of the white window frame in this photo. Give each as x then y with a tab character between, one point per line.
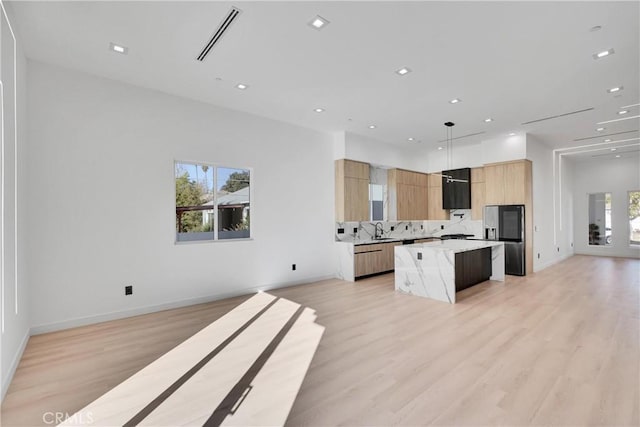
214	167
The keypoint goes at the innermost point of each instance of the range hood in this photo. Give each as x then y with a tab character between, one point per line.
456	189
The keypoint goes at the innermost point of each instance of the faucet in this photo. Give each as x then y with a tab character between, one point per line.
378	232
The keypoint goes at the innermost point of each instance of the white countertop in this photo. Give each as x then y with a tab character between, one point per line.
456	245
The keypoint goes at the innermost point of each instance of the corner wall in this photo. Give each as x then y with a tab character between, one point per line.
102	207
552	207
14	307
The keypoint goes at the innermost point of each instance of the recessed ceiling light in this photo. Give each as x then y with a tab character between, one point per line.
512	134
440	148
241	86
629	106
410	139
608	140
403	71
595	28
118	48
613	149
617	156
489	120
319	110
454	101
622	112
372	126
615	89
600	129
603	54
318	22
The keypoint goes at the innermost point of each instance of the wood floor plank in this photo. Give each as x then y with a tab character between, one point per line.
558	347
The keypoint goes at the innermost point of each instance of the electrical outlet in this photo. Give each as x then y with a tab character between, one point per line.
558	249
293	267
128	290
421	227
441	227
392	228
419	255
406	227
538	255
355	230
571	244
340	230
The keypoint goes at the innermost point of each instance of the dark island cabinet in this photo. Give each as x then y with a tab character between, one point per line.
472	267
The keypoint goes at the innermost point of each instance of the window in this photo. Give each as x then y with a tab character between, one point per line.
376	202
600	219
212	202
634	218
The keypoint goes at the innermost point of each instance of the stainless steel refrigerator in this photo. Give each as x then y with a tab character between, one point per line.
505	223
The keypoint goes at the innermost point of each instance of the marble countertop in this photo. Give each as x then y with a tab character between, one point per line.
456	245
359	242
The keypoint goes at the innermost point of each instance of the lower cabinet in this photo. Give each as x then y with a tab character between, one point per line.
472	267
375	258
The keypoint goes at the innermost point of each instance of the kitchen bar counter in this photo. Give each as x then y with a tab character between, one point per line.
429	269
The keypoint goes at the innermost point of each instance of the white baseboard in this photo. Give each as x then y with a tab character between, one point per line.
83	321
554	261
14	365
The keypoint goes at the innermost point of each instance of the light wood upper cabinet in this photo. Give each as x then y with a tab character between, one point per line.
435	180
494	184
436	212
352	190
408	195
411	202
477	200
434	206
477	193
508	183
477	175
353	169
514	183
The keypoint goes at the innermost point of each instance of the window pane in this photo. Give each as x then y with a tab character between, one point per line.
194	202
634	217
233	194
376	203
600	219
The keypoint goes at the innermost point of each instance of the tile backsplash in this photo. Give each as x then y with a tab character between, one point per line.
365	230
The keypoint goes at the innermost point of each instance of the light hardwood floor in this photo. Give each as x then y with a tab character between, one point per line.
559	347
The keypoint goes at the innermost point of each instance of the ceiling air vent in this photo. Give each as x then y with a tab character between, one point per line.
463	136
559	115
217	35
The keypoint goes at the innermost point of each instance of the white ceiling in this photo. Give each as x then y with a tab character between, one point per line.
511	61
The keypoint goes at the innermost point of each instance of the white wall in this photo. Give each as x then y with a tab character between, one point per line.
14	306
553	233
101	200
469	155
368	150
615	176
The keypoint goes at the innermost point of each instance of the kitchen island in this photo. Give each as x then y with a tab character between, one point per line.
439	269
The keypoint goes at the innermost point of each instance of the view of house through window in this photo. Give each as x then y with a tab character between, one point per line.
634	218
600	219
205	214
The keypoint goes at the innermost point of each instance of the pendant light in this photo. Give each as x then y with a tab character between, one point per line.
450	179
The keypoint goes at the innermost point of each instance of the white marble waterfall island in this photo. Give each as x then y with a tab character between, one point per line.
438	269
